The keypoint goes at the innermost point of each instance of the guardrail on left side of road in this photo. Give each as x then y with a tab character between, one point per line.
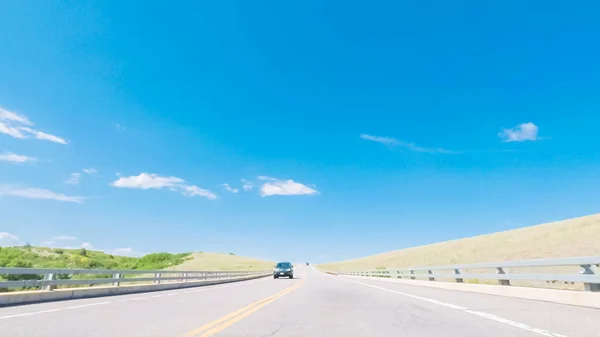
48	279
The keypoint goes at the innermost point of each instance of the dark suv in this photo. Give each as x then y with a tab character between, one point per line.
283	269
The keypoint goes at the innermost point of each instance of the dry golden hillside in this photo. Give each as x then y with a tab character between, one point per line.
568	238
223	262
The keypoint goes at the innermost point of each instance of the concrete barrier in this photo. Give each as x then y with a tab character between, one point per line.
569	297
37	296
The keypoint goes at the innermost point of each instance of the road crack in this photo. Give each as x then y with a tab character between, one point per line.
273	332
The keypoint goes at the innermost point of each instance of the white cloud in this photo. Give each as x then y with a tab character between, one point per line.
74	178
520	133
11	131
8	236
247	185
382	140
193	191
87	245
127	251
17	126
90	171
153	181
37	193
229	188
8	239
15	158
63	238
44	136
6	115
59	241
285	187
146	181
411	146
266	178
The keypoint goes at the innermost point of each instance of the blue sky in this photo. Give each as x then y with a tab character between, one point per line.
358	127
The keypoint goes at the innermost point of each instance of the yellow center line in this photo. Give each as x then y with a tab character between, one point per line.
222	323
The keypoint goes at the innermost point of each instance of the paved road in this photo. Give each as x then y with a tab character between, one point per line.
313	304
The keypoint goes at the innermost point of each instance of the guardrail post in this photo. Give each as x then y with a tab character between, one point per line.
458	279
500	271
412	273
157	276
185	275
117	276
591	270
48	277
430	273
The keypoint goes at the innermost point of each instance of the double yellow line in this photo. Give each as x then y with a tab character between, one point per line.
226	321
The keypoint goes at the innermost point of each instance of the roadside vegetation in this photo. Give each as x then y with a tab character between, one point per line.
44	257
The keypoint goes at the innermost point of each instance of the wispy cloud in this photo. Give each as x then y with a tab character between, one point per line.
16	158
392	142
266	178
60	240
146	181
228	188
18	126
285	187
8	239
37	193
90	171
44	136
11	131
8	236
382	140
74	178
10	116
520	133
195	191
87	245
127	251
247	186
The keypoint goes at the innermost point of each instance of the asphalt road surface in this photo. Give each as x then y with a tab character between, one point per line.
312	304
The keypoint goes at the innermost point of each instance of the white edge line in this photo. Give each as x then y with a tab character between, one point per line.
464	309
88	305
29	313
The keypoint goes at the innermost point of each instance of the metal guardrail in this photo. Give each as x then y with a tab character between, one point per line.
589	274
53	277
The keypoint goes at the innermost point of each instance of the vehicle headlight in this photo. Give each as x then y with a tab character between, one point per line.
289	270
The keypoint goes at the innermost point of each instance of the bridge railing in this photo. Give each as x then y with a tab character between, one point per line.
50	278
589	273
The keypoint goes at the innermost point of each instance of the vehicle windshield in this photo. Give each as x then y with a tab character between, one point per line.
434	160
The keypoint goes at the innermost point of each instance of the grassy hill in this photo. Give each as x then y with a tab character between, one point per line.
568	238
222	262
